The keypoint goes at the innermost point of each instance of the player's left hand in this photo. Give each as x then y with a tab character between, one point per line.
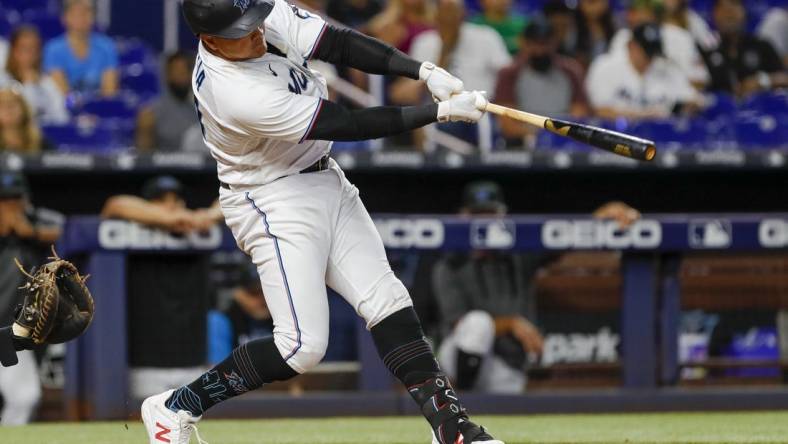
441	84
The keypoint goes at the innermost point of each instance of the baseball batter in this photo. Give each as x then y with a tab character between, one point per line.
268	123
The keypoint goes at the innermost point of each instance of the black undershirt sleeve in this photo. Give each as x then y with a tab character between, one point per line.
335	122
347	47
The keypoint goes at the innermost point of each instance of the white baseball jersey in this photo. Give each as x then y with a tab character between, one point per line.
256	113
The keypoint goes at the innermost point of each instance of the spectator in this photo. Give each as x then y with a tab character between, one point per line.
498	15
743	64
472	52
595	28
638	82
486	302
19	131
679	13
174	351
540	81
354	13
401	21
24	67
562	19
23	232
678	45
246	318
162	125
81	59
774	29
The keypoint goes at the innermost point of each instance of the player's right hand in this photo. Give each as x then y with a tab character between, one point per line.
441	84
466	106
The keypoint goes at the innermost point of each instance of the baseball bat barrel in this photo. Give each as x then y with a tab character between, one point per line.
612	141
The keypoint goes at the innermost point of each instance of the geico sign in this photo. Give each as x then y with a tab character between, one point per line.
122	235
562	234
408	233
773	233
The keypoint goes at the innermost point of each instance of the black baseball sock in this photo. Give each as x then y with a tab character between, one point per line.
400	342
468	365
247	368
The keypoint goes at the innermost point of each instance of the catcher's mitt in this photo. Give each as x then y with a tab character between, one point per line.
58	306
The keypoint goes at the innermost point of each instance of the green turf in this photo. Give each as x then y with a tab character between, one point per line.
760	427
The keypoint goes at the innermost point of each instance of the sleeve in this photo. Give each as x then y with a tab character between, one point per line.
275	114
681	86
426	47
51	59
220	337
504	86
451	301
496	51
601	90
335	122
302	29
110	53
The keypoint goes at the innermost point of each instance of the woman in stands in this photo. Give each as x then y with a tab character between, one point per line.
402	21
595	29
24	66
19	131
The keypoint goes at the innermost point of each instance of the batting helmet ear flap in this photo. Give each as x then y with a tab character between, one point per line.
229	19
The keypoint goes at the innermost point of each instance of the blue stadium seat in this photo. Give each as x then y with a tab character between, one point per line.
6	25
760	133
767	103
143	83
51	6
49	25
673	133
721	105
135	52
76	138
109	108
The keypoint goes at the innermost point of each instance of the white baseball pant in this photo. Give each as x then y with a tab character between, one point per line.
475	334
304	232
20	388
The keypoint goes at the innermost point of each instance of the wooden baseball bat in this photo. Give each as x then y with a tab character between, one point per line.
618	143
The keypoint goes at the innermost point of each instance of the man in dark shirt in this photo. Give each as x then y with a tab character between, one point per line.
24	233
541	81
168	294
487	305
742	64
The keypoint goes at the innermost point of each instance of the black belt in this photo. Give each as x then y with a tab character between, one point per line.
320	165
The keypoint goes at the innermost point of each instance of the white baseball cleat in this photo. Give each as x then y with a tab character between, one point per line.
165	426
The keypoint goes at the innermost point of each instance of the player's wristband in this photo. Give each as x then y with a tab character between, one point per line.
7	348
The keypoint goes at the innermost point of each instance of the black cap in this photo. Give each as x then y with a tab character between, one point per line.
483	197
538	29
158	186
230	19
649	37
557	7
12	185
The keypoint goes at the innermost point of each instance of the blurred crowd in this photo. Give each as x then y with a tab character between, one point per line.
637	60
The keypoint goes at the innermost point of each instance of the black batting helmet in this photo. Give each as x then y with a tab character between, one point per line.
229	19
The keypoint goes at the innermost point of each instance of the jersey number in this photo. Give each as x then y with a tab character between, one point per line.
298	82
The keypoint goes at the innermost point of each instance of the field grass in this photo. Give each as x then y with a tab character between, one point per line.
717	428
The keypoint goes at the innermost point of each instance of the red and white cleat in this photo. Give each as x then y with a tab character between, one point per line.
165	426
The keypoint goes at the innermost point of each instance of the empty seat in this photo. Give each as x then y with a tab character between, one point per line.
48	24
81	138
115	107
144	83
760	133
673	133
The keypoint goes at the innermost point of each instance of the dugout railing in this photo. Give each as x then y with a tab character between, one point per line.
651	250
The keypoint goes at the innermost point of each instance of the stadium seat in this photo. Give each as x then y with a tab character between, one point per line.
761	133
81	138
51	6
721	105
143	83
673	133
767	103
134	52
49	25
6	25
109	108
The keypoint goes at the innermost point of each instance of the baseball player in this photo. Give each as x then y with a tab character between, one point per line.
268	124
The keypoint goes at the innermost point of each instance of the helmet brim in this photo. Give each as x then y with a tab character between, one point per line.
252	20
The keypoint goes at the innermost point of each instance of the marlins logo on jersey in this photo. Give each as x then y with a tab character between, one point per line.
243	5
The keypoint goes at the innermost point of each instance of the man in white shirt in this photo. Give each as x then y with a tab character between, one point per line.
475	53
268	122
678	44
639	83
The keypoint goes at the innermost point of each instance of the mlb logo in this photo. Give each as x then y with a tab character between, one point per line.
710	233
493	234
